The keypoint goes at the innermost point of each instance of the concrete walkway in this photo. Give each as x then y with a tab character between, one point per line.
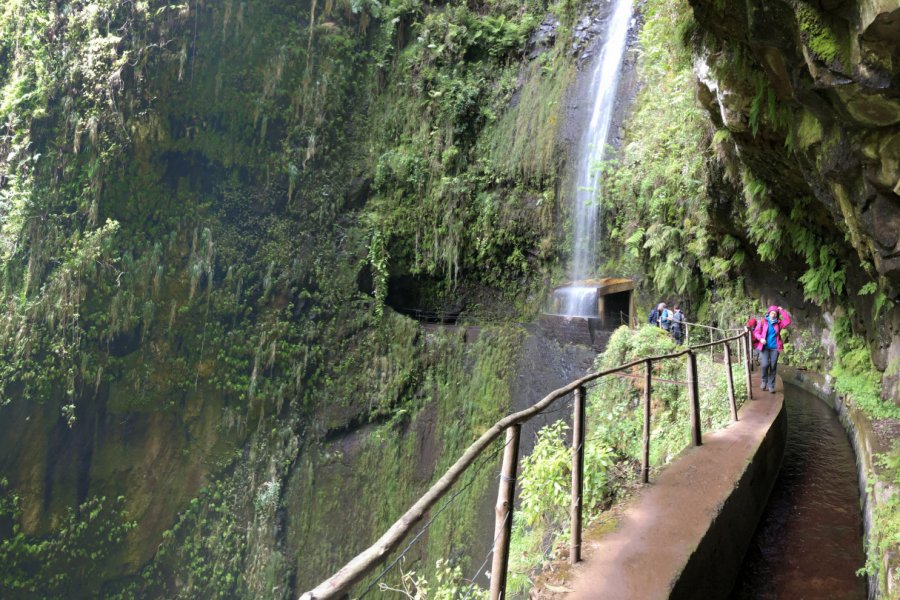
685	534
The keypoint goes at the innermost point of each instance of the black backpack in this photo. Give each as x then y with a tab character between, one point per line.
654	317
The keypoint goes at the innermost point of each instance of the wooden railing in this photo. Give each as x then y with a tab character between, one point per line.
339	584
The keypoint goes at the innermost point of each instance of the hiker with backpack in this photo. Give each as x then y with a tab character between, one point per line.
768	342
656	314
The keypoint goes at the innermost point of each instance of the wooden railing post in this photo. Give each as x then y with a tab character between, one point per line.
730	375
747	367
577	475
503	523
694	397
645	455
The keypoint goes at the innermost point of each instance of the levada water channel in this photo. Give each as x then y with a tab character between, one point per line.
809	541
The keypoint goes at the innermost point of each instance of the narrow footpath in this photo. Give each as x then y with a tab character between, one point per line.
685	533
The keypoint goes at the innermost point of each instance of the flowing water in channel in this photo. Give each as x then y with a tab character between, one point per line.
809	541
605	84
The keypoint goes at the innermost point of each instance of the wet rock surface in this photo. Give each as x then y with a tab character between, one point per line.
543	37
831	70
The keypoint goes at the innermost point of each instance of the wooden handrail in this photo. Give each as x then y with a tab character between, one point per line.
354	571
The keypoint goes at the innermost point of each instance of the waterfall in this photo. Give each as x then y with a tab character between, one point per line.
576	301
604	85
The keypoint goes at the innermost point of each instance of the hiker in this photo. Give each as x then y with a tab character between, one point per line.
769	344
751	327
653	317
665	318
656	314
678	325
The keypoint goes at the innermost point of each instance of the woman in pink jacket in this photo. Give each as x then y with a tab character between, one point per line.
768	341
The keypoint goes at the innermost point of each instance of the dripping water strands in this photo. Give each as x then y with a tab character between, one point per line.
604	84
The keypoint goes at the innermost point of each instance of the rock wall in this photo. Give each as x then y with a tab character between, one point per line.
807	95
201	208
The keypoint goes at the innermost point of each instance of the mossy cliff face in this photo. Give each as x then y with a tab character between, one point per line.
804	179
208	212
805	97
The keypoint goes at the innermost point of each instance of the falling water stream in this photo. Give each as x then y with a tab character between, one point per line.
603	87
577	300
604	84
809	540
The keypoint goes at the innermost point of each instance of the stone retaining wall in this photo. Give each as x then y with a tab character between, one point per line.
714	566
584	331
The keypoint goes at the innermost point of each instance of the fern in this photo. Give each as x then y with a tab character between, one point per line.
804	242
869	288
755	189
790	141
880	300
756	109
822	282
771	106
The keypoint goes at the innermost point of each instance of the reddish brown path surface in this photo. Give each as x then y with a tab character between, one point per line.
662	526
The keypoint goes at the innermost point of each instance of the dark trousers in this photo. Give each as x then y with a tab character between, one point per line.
768	359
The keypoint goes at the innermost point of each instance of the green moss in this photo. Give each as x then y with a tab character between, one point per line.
653	195
75	557
856	377
523	143
809	131
820	37
463	389
466	188
173	278
884	537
